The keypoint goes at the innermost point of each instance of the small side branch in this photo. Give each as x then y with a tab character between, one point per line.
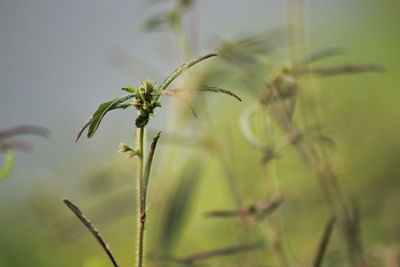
147	168
258	210
327	71
92	230
183	68
220	252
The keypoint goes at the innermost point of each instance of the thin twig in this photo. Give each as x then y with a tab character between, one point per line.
323	244
92	229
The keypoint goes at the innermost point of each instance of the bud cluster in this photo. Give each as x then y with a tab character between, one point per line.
130	151
146	102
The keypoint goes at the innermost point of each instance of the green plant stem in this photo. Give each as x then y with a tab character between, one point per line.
141	214
143	181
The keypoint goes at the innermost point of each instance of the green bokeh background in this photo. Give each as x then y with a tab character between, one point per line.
361	112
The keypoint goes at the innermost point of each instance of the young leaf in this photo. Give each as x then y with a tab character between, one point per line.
141	121
182	68
129	89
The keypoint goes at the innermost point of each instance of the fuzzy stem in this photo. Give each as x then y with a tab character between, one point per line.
140	179
143	181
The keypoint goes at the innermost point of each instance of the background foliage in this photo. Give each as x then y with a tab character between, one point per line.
204	164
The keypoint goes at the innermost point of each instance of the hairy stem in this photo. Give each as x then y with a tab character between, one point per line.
143	181
141	215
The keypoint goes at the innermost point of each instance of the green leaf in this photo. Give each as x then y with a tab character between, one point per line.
94	122
204	88
88	123
102	110
8	164
182	68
